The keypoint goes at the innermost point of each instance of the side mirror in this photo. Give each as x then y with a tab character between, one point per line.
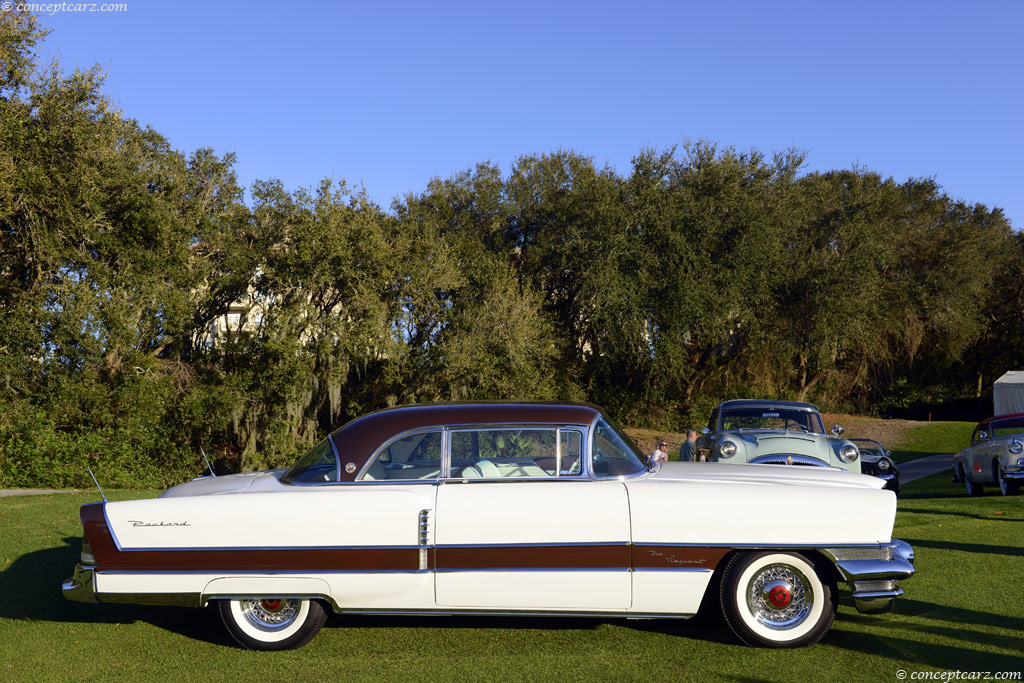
982	436
838	430
705	431
888	454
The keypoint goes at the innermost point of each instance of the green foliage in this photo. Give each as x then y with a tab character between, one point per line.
702	274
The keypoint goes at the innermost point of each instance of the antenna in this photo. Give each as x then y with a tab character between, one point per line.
207	461
102	495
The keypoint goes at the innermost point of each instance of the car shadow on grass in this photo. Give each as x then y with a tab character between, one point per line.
1012	551
32	589
950	623
951	626
697	628
989	517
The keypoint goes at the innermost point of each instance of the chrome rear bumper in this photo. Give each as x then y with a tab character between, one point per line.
81	587
873	580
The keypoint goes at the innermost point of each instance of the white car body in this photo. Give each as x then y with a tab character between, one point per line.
576	543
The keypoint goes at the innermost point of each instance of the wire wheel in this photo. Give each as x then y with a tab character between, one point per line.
776	599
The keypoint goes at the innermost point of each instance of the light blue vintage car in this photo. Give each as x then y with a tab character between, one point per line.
774	433
995	456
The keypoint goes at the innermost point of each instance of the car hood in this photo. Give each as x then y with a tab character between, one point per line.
229	483
779	475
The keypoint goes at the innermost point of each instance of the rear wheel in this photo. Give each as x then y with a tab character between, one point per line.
1008	487
272	623
776	599
973	489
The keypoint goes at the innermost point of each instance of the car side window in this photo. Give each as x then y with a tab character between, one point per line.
512	453
417	456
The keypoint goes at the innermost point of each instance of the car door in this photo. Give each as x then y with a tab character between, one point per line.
520	527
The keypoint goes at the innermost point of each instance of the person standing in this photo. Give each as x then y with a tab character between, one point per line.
688	450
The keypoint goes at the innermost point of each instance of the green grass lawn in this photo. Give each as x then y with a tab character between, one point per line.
931	438
961	612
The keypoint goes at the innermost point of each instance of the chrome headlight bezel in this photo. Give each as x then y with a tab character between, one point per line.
848	453
727	449
1016	447
884	465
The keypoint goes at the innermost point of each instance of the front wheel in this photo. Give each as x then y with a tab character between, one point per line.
776	599
272	623
1008	487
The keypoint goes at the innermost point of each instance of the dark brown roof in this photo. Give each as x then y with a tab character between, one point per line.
357	440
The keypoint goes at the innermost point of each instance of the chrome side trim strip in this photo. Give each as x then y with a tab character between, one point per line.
532	545
451	570
282	548
674	569
454	612
158	599
254	572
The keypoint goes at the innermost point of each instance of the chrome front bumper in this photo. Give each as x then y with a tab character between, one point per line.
81	587
873	580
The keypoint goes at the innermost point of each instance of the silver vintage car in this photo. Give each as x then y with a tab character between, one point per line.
995	456
774	433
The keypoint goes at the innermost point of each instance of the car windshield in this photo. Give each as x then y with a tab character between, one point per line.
869	447
319	464
614	453
1008	426
770	417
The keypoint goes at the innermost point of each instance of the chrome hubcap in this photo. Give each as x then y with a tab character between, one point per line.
270	614
779	597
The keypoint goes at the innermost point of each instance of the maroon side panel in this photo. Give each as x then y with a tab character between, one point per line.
109	558
535	557
677	557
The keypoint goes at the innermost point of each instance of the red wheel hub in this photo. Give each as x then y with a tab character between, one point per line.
780	596
271	605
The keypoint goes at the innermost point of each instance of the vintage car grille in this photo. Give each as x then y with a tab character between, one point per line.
788	459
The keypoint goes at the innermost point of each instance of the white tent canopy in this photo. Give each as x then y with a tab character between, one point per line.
1008	393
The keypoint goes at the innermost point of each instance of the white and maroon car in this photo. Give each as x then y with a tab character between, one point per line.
499	508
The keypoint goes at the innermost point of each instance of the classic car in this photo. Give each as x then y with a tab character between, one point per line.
776	433
504	509
995	456
875	461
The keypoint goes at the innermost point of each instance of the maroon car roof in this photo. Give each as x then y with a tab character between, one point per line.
357	440
1000	417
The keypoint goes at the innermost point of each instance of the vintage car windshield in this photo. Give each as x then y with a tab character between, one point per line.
1007	427
614	453
770	417
869	447
319	464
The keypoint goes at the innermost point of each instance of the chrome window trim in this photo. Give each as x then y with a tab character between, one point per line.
337	458
590	453
387	444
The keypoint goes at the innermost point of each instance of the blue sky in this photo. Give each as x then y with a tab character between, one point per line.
390	94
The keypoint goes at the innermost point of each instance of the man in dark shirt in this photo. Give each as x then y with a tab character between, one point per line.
687	451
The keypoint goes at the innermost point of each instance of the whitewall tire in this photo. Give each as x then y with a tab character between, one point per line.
272	623
776	599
